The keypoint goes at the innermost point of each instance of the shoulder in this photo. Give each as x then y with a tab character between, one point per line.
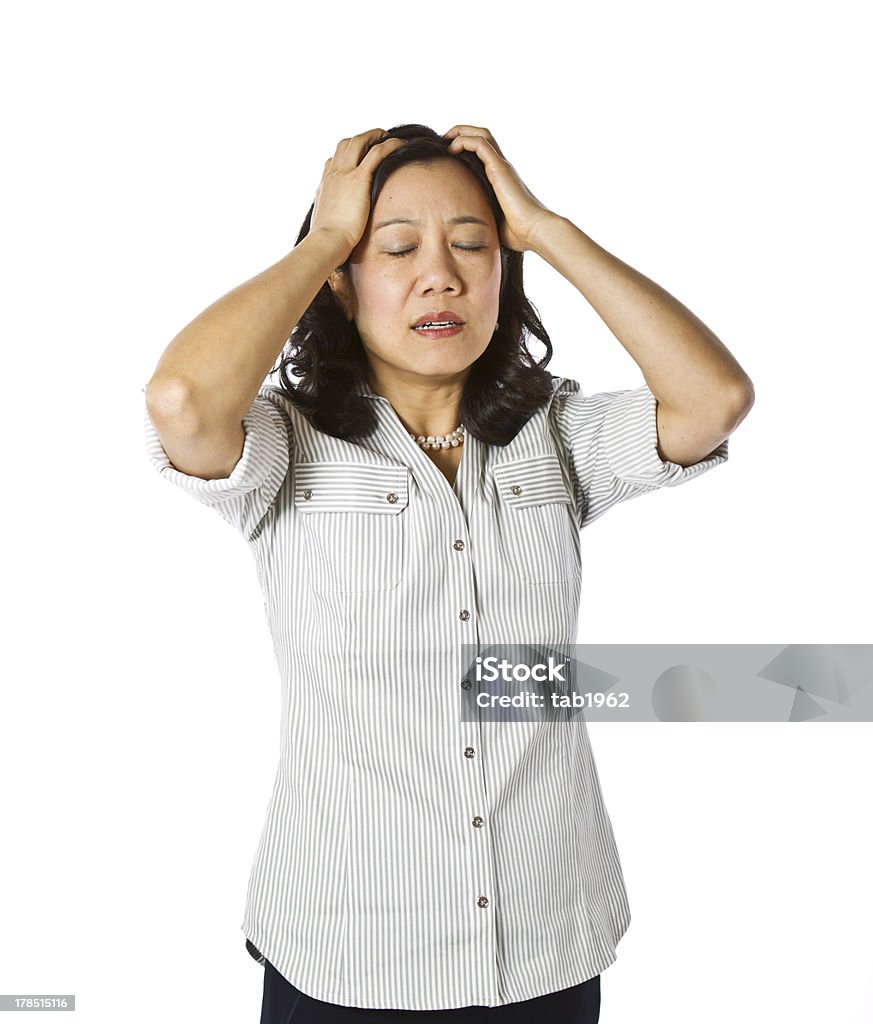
563	386
276	396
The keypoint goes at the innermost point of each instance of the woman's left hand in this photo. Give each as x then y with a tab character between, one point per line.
524	214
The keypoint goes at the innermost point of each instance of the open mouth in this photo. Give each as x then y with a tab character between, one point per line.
439	329
442	323
437	321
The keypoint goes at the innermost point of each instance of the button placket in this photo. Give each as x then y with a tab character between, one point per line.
482	855
482	866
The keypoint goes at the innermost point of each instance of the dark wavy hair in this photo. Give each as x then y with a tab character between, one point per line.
505	385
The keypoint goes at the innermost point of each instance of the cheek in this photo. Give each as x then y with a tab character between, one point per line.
492	285
378	294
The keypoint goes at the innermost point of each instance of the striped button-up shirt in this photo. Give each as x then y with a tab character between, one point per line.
411	859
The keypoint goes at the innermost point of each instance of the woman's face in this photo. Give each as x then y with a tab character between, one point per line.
430	252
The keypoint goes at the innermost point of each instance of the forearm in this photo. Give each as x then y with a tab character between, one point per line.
212	370
684	364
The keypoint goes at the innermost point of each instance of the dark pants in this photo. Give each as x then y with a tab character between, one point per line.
284	1004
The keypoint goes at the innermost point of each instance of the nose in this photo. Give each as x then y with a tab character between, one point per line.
437	270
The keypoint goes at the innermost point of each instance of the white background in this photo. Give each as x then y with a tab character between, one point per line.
156	156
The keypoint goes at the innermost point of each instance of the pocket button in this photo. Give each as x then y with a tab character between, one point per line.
353	510
537	519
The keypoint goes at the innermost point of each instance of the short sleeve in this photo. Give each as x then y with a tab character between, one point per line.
611	439
244	497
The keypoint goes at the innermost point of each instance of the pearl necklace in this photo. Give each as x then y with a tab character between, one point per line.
451	440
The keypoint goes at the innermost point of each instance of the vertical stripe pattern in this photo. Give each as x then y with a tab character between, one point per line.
409	859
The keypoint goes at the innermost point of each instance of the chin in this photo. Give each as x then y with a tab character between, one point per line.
441	369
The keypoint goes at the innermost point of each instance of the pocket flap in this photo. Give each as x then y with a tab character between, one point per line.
350	487
535	480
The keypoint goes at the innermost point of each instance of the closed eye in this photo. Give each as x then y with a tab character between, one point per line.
406	252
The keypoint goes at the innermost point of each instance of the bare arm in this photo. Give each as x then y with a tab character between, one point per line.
702	392
208	376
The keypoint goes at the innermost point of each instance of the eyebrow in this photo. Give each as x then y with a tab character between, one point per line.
466	219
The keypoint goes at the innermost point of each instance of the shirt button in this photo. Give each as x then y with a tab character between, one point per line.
482	902
478	822
391	496
458	545
469	752
307	494
464	615
465	683
515	489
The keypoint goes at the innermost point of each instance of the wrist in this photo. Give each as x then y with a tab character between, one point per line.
545	232
331	244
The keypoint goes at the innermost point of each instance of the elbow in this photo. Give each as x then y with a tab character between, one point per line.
170	407
746	392
745	395
742	398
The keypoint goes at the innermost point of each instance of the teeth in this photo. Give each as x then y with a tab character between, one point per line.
442	323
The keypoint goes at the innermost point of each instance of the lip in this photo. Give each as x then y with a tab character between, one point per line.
438	317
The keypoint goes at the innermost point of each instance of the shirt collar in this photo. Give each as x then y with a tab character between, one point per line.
560	385
365	390
564	385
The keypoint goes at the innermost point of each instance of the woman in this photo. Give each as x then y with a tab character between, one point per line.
421	489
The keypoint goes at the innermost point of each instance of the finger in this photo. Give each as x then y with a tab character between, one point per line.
455	145
467	129
472	131
348	151
477	144
379	151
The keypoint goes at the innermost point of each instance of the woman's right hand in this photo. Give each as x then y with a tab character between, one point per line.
342	202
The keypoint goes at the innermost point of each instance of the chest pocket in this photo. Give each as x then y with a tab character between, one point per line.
353	520
536	519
